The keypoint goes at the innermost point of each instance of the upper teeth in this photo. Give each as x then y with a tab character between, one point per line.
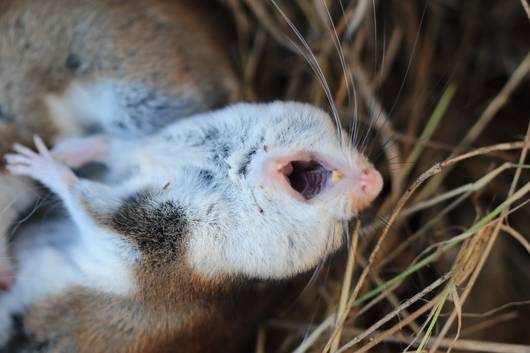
336	176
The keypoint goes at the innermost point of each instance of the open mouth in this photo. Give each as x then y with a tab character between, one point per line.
315	178
308	178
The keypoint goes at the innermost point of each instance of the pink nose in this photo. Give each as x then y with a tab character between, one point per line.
371	181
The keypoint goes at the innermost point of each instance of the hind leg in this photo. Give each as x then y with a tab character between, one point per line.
43	268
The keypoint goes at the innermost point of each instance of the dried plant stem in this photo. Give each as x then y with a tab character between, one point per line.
499	210
388	293
461	344
358	17
317	332
469	345
437	310
346	285
461	190
517	236
491	110
380	338
491	241
437	145
464	191
414	237
251	64
389	58
395	312
470	187
430	127
437	168
526	7
489	323
260	341
498	309
448	245
269	24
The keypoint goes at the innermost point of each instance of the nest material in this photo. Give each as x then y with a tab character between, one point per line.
442	259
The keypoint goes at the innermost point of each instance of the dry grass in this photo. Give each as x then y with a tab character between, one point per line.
436	93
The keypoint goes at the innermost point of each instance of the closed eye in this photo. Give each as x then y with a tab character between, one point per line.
243	169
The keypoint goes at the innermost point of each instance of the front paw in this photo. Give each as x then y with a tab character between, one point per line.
77	151
40	166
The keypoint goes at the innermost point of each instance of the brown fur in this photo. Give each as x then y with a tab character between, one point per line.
175	47
172	46
172	309
171	313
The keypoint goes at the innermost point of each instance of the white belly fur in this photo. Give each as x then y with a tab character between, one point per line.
52	256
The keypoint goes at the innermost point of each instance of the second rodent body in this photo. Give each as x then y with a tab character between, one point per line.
127	68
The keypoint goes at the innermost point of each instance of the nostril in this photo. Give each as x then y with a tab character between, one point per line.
369	181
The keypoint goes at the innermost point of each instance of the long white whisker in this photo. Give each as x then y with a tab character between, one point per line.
362	146
409	64
375	36
372	122
348	77
36	205
354	124
313	62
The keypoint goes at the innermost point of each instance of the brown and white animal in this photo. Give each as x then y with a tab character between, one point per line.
127	68
157	261
160	255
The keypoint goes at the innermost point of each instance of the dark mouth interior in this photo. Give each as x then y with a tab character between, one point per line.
309	178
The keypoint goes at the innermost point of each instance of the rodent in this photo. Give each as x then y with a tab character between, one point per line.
159	260
145	63
210	204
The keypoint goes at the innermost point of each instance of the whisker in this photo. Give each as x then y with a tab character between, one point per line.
348	77
398	96
375	37
355	122
36	205
313	62
409	64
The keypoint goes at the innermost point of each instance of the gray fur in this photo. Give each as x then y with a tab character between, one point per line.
203	202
